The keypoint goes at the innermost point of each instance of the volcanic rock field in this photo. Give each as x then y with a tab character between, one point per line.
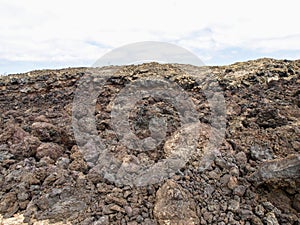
48	175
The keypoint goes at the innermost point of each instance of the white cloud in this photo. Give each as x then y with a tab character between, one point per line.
279	43
55	30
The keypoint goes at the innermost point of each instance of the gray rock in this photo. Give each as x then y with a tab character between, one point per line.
103	220
233	205
285	168
241	158
239	190
271	219
259	210
260	153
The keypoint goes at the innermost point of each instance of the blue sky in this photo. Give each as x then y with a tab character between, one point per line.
57	34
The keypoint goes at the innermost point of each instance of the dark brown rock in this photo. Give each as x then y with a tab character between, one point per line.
21	143
46	132
51	150
296	202
9	204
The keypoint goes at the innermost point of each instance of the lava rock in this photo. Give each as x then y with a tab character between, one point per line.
51	150
174	205
46	132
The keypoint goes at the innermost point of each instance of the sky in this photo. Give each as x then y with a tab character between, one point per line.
58	34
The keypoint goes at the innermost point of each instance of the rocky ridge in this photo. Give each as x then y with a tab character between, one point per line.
253	180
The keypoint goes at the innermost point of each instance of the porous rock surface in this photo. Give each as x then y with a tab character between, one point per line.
253	180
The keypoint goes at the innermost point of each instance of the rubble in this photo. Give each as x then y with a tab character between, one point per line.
251	177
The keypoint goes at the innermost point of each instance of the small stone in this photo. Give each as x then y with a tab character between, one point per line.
78	162
139	219
127	194
268	206
256	221
246	214
208	216
132	223
213	175
88	221
271	219
220	162
22	205
239	190
119	201
209	190
41	118
128	210
241	158
103	220
117	208
22	196
234	171
63	162
225	179
233	205
148	221
45	161
232	183
106	210
260	210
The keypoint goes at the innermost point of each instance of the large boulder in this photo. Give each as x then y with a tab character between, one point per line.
174	205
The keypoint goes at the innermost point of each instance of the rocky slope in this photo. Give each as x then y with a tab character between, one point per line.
254	178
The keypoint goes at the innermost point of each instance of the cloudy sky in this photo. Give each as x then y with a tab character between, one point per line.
55	34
